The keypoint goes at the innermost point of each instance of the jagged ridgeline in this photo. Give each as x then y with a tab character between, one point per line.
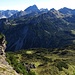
39	29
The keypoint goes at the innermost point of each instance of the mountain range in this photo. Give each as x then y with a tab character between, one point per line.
39	28
16	13
7	13
32	9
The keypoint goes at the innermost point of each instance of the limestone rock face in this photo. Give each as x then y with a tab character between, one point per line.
2	45
5	68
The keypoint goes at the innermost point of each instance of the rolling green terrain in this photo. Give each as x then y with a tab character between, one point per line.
46	61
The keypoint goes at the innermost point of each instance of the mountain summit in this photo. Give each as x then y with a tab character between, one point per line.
31	9
66	10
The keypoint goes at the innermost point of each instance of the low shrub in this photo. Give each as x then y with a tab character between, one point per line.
61	64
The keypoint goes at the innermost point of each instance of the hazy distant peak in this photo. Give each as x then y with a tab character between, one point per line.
34	5
42	9
7	13
52	9
66	10
56	13
32	8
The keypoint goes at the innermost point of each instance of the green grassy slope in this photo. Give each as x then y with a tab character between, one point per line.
46	61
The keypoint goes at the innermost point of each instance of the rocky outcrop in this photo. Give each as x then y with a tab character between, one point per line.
5	68
2	44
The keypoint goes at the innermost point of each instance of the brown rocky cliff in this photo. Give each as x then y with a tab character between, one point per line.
2	45
5	68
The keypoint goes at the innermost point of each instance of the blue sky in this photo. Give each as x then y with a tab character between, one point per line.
23	4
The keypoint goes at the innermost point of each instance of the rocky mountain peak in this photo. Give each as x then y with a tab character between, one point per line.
57	13
31	9
66	11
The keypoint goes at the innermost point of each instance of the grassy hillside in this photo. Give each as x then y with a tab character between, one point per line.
43	61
